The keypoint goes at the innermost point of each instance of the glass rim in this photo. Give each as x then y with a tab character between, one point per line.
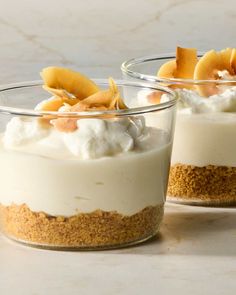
90	114
126	65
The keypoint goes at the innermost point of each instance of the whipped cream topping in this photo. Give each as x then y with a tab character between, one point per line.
191	102
94	138
20	131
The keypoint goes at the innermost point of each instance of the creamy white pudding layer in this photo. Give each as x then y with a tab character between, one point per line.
205	139
205	132
109	165
126	183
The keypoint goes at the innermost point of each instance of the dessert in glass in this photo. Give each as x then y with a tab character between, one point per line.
80	168
203	164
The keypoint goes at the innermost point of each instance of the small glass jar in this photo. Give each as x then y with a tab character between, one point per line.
102	186
203	165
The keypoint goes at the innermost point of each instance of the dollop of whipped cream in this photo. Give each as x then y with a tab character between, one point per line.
21	131
94	138
191	102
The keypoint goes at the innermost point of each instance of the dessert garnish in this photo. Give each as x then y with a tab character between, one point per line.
181	67
74	92
73	82
212	65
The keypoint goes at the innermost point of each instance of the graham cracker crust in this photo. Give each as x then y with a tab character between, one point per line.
212	185
84	230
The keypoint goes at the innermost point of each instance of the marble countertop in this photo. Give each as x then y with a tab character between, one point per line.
195	252
95	37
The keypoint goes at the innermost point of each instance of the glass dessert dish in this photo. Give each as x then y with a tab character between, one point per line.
203	164
88	179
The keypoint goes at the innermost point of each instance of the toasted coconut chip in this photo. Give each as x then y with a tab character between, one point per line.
73	82
100	98
70	124
101	101
186	66
44	122
65	124
91	98
225	56
59	92
209	66
211	63
116	102
233	60
52	105
167	70
207	69
113	87
155	97
181	67
186	60
110	99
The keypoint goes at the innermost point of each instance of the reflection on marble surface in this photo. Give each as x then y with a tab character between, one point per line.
189	230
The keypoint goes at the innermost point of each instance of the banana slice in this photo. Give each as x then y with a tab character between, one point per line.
73	82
